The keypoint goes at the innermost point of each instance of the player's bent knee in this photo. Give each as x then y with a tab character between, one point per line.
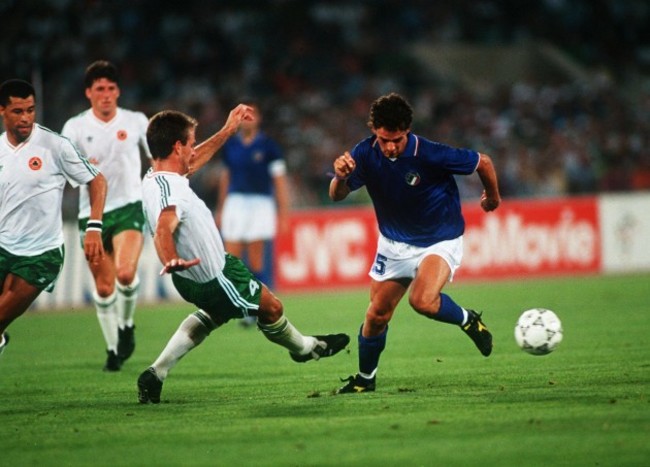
270	310
125	276
378	320
424	305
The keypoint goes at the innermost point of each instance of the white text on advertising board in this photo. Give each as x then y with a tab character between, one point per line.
331	249
509	240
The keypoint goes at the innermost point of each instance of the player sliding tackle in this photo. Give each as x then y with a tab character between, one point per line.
191	250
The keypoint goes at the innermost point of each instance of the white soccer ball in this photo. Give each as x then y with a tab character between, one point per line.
538	331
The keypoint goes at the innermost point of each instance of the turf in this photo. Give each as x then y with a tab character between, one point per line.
240	400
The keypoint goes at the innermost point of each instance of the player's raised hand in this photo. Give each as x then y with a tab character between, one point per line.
238	115
344	165
178	264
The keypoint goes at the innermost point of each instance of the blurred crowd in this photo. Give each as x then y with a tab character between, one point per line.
315	67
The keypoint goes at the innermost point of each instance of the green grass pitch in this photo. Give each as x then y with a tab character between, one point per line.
240	400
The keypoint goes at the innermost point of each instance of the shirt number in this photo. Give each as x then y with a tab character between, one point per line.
380	264
253	286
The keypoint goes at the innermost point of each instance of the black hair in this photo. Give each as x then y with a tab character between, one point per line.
101	69
15	88
165	128
391	112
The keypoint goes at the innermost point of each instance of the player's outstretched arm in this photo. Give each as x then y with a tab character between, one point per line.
210	146
491	198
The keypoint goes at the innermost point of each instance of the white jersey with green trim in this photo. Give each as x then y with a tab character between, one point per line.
115	148
32	178
196	235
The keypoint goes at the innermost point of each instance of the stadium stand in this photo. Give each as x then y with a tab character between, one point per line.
316	66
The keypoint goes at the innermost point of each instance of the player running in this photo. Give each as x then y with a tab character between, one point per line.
115	140
411	183
35	165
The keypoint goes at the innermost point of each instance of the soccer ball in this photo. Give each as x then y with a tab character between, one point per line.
538	331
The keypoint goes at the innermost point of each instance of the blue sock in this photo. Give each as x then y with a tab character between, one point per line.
449	311
370	348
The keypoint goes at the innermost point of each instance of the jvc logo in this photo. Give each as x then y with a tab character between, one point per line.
322	252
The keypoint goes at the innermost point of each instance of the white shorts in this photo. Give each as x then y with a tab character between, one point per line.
396	260
246	218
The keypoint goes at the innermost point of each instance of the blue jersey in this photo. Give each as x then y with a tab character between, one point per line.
415	195
249	165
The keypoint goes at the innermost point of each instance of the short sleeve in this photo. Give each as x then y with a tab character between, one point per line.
76	167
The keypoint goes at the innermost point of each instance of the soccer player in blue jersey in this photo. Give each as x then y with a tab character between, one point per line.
411	183
253	196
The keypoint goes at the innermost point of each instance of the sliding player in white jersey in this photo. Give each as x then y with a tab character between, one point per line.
114	139
191	250
35	165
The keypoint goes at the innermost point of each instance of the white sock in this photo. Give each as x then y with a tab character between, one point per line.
191	332
369	376
127	296
283	333
107	316
465	316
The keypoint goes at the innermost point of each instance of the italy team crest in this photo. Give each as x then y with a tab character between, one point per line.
412	178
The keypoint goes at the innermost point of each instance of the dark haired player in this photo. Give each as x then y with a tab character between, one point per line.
411	183
191	250
114	139
35	165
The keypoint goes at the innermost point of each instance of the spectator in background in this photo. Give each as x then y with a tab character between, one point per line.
115	140
328	61
253	197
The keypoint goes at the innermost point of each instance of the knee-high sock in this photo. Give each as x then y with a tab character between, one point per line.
191	332
450	311
127	296
370	349
107	316
283	333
